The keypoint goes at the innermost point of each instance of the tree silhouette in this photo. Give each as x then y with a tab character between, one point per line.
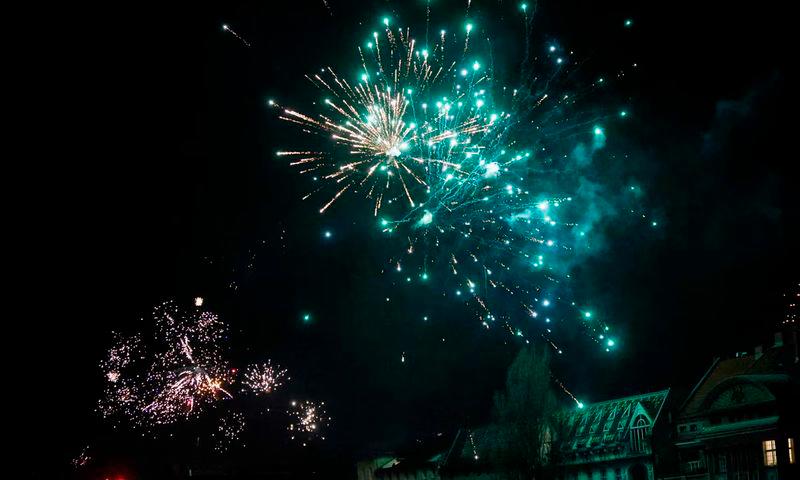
524	414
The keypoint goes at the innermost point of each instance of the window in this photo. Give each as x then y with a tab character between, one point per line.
596	421
682	428
638	432
693	427
722	462
694	466
623	420
791	450
770	453
610	420
582	425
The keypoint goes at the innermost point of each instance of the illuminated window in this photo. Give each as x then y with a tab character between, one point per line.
770	453
791	450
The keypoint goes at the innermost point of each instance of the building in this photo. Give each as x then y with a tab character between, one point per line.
739	422
468	456
419	460
741	419
366	469
611	440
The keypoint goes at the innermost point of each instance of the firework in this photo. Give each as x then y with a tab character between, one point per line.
487	184
309	420
327	7
82	459
121	392
182	370
412	114
191	371
793	299
228	29
262	379
178	372
228	431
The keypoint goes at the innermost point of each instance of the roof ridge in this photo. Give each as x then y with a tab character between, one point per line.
702	380
629	397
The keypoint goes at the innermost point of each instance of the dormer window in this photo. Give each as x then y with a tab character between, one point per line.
610	420
624	418
639	434
582	425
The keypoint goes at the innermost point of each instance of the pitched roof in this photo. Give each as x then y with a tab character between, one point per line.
597	425
606	424
723	369
424	453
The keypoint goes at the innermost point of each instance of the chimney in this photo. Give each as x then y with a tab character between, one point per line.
759	351
778	339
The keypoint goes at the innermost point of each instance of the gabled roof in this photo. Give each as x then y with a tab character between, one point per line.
423	454
724	369
606	424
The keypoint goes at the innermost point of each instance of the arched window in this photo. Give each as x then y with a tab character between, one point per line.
639	433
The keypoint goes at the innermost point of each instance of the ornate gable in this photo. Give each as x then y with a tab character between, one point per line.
603	429
638	411
737	393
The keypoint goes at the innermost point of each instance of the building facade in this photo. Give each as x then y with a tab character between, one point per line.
611	440
420	459
740	421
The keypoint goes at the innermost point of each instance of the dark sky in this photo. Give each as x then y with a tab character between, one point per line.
154	178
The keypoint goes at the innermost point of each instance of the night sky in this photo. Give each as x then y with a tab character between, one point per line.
155	179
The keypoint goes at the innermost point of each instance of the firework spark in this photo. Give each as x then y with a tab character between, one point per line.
178	372
407	119
82	459
122	392
487	182
228	29
261	379
182	370
191	372
309	419
229	431
327	7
